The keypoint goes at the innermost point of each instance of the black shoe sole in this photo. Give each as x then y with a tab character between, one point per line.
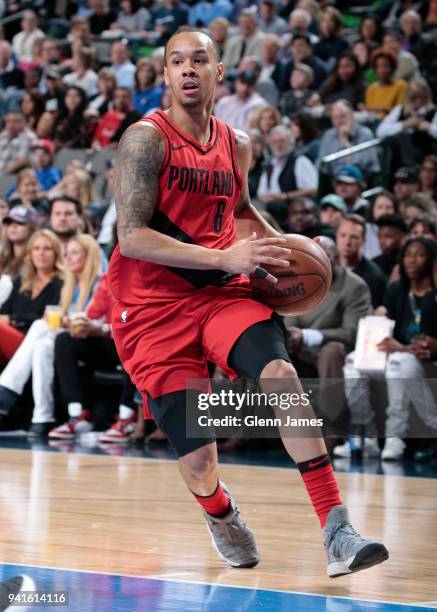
367	557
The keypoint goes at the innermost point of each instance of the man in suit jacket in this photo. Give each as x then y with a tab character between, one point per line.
320	340
246	42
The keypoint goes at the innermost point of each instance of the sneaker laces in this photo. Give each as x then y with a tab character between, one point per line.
231	530
341	545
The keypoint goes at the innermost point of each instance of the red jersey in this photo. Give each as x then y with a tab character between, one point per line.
199	186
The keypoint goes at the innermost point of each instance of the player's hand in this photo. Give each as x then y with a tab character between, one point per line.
250	254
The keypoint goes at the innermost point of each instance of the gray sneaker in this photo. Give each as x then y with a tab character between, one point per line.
231	537
346	550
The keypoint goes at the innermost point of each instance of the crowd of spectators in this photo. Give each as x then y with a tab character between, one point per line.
338	101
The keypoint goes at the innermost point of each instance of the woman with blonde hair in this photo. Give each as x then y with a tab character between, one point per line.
38	286
412	126
35	355
264	119
77	183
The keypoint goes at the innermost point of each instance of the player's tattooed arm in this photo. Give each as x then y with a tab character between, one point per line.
140	155
244	208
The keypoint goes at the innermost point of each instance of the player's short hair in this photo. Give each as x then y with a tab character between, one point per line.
356	220
195	31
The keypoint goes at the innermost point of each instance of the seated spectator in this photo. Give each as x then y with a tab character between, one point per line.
319	341
306	134
349	183
301	21
133	17
248	41
423	225
271	64
204	12
416	205
147	96
78	185
303	218
50	56
403	304
122	66
300	95
387	92
11	77
20	224
65	219
109	218
406	184
71	128
219	32
38	286
302	51
428	176
350	239
346	132
257	160
101	16
167	18
89	342
15	142
83	75
412	126
35	355
332	210
371	31
237	109
106	84
113	123
266	88
408	66
79	37
27	193
331	43
32	106
264	120
345	82
270	22
384	203
23	42
411	26
41	161
362	52
392	234
314	9
285	176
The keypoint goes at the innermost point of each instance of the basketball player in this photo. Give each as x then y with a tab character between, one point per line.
183	297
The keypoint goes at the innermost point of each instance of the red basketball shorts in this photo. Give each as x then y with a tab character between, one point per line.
163	343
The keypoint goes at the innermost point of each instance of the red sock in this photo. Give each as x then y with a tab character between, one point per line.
216	504
321	485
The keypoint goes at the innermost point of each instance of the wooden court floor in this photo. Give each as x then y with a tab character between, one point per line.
134	517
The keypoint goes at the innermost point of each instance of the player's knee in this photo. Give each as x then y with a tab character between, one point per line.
279	368
201	463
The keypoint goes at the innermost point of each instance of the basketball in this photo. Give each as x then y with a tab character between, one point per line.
302	286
